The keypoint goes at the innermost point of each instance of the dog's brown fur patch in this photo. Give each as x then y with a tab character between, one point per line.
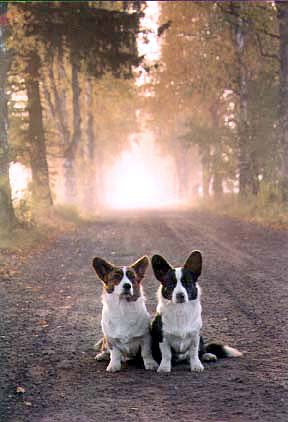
112	275
135	280
112	279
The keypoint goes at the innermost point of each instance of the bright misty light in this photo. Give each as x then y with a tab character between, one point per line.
148	41
142	178
20	177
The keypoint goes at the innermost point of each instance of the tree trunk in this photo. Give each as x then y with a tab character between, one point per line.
182	168
282	9
69	160
206	174
217	184
60	99
245	166
7	216
90	195
41	193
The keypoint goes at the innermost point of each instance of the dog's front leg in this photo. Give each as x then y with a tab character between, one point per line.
115	360
195	363
165	365
149	362
102	347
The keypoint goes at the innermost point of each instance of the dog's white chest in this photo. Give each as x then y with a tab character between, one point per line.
181	324
181	321
123	321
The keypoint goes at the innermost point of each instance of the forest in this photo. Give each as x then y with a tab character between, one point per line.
79	86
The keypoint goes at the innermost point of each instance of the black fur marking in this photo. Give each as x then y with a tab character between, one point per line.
216	349
157	337
194	263
188	281
201	348
160	267
168	284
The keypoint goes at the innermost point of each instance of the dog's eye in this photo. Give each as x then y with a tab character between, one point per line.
170	284
130	275
187	281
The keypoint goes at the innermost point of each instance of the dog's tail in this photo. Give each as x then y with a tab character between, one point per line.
222	351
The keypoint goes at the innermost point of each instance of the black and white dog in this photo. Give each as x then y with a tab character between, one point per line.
125	319
176	327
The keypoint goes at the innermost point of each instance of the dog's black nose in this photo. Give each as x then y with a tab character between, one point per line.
126	286
180	297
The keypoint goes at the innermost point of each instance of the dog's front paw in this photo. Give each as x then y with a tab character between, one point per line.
113	367
164	367
196	366
102	356
150	364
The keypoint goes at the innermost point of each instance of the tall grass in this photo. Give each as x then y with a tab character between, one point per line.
266	208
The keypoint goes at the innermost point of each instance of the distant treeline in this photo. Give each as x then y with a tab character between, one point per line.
218	95
222	85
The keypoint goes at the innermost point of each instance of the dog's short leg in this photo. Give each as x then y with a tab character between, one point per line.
102	356
115	360
102	347
195	363
149	362
165	365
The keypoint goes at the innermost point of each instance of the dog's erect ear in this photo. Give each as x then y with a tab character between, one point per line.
194	263
102	267
140	266
160	267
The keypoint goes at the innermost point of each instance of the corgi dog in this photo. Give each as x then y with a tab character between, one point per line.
176	327
125	319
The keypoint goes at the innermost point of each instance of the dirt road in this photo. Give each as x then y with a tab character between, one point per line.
50	319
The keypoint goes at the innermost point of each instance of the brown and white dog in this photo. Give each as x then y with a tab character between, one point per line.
125	319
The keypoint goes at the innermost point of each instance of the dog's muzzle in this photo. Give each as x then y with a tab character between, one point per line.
180	298
126	290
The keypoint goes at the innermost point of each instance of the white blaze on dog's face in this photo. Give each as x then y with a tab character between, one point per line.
124	282
125	287
179	294
179	285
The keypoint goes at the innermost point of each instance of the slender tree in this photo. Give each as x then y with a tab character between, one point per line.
70	152
41	193
7	216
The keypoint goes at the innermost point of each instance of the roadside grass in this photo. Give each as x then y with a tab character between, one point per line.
28	232
20	237
70	214
27	236
266	208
